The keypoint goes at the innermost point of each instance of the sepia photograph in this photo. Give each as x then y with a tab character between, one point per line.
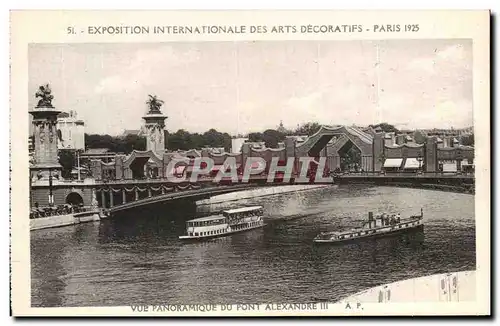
127	141
199	169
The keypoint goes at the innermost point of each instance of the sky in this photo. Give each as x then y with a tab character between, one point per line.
242	87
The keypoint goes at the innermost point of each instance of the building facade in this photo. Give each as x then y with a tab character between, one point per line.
375	155
236	144
71	131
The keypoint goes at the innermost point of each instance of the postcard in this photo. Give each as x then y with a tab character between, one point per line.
250	163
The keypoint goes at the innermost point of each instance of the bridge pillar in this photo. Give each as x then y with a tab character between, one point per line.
162	191
103	199
149	192
155	124
290	152
119	166
124	196
111	195
245	153
431	162
136	194
46	163
378	149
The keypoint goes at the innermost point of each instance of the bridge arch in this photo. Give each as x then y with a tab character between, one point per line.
334	142
137	165
350	157
192	153
74	198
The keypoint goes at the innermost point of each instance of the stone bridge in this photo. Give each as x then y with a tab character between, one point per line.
193	194
119	195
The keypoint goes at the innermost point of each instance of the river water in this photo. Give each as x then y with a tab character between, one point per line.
136	257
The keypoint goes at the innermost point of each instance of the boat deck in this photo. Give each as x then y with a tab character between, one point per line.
365	232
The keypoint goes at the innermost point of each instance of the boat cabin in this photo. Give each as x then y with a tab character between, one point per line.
243	212
376	225
206	221
381	220
228	221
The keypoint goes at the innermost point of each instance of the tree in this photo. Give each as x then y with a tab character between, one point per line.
179	140
255	137
272	138
468	140
134	142
116	144
184	140
419	137
308	129
385	127
197	140
213	138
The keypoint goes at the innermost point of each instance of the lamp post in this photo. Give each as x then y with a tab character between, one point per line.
419	159
78	163
51	196
382	161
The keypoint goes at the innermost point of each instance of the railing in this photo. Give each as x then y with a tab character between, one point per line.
278	178
180	181
55	211
176	195
405	174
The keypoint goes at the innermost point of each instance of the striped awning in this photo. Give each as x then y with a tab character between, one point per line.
466	162
449	167
412	163
393	162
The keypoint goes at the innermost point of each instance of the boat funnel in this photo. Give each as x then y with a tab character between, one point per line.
370	216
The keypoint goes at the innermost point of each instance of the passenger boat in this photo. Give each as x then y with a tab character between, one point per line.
225	223
380	225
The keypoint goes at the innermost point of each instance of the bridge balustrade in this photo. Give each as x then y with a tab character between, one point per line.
57	210
383	174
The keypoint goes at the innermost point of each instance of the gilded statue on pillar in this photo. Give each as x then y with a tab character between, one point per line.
44	92
154	104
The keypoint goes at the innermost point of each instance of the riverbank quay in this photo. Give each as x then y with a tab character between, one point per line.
446	287
64	220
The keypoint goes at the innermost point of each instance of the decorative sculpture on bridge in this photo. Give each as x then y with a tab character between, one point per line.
44	92
155	124
154	104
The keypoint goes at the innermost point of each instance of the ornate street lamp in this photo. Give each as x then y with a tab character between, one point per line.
51	196
382	160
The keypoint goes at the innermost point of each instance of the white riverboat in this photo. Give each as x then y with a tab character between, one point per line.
380	225
223	224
